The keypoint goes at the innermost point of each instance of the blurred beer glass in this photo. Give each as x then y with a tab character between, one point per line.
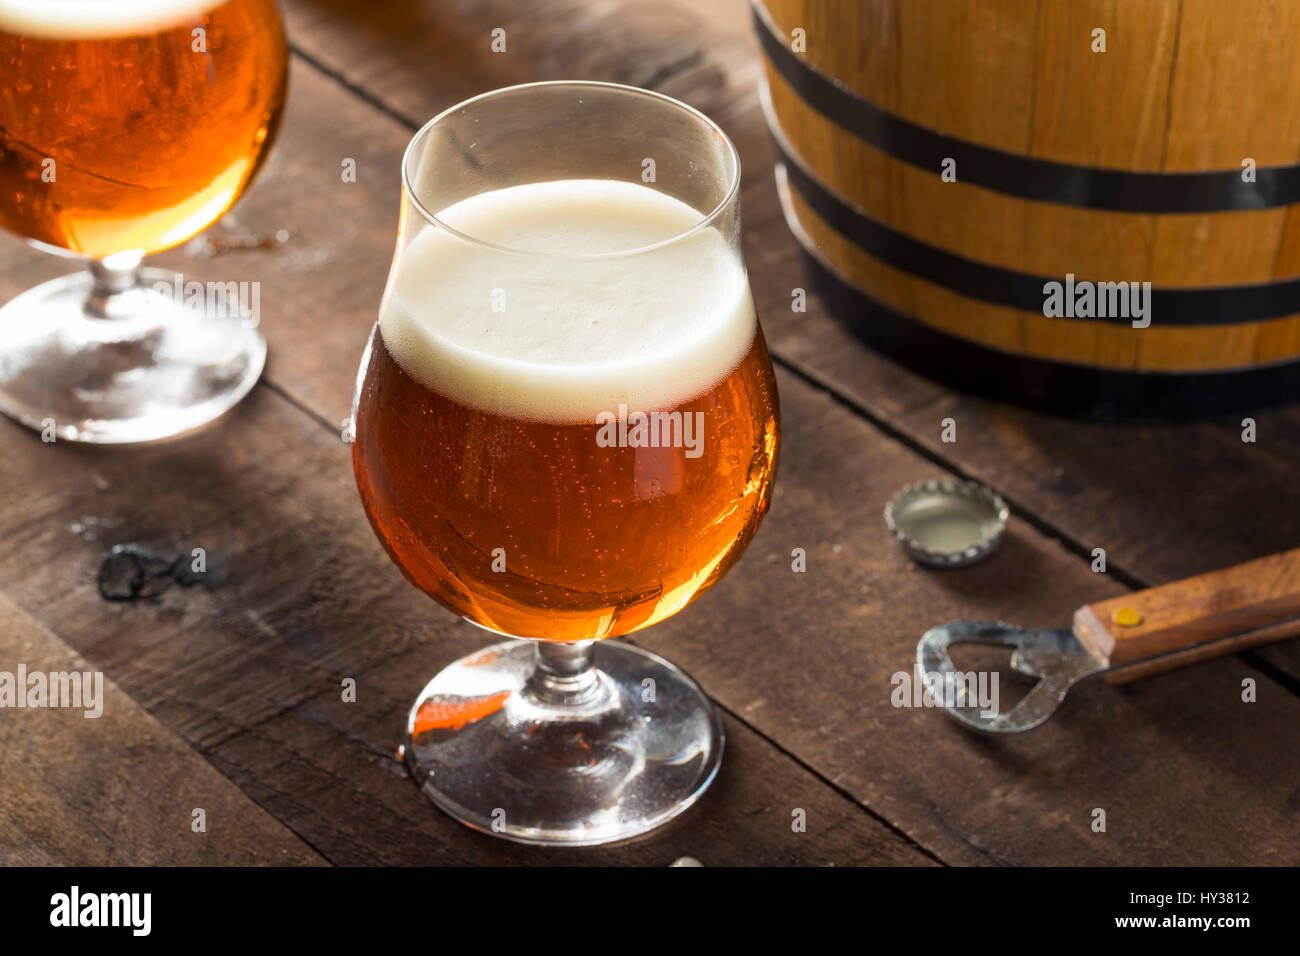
127	127
566	428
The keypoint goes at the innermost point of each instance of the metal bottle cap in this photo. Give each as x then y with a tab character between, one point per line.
945	523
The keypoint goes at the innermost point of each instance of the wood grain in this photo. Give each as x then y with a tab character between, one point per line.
1071	99
1164	502
1102	344
1203	652
343	756
1179	87
759	239
1226	248
248	672
118	789
854	619
1258	600
248	669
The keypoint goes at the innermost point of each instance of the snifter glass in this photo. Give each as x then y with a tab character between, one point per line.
126	128
566	429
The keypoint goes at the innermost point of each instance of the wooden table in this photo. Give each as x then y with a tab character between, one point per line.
228	697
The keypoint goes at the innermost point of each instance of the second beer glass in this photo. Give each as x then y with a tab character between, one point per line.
566	430
125	129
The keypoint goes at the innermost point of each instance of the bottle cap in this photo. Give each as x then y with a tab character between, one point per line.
945	523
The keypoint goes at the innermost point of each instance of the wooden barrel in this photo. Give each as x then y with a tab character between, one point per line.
944	162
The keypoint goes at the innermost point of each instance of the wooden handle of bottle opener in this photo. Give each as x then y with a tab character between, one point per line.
1192	620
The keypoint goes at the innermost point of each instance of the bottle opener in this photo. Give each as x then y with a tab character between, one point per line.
1128	637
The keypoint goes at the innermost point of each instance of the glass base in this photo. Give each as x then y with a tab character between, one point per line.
147	367
595	757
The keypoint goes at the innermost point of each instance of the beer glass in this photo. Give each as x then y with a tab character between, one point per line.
566	428
126	128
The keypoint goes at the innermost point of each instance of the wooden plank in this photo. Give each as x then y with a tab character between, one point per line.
1189	83
115	789
811	668
249	670
378	816
248	667
1236	88
805	660
1127	87
984	91
769	249
1164	502
382	46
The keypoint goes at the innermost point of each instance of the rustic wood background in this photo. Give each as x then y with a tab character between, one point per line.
227	697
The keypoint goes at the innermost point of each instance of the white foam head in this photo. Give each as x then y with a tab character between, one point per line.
97	19
573	329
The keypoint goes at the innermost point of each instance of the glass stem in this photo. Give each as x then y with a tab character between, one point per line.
565	675
113	277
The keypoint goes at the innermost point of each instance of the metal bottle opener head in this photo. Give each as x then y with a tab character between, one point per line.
1130	636
1055	657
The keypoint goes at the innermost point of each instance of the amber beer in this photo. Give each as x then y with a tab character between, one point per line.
496	381
132	124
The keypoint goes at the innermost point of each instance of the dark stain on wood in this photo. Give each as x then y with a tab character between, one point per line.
133	572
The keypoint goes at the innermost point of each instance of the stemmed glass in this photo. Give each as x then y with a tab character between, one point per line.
566	429
125	129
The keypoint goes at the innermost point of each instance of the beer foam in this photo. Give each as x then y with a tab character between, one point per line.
97	19
554	336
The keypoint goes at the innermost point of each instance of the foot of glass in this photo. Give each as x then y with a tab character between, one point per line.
563	744
104	357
